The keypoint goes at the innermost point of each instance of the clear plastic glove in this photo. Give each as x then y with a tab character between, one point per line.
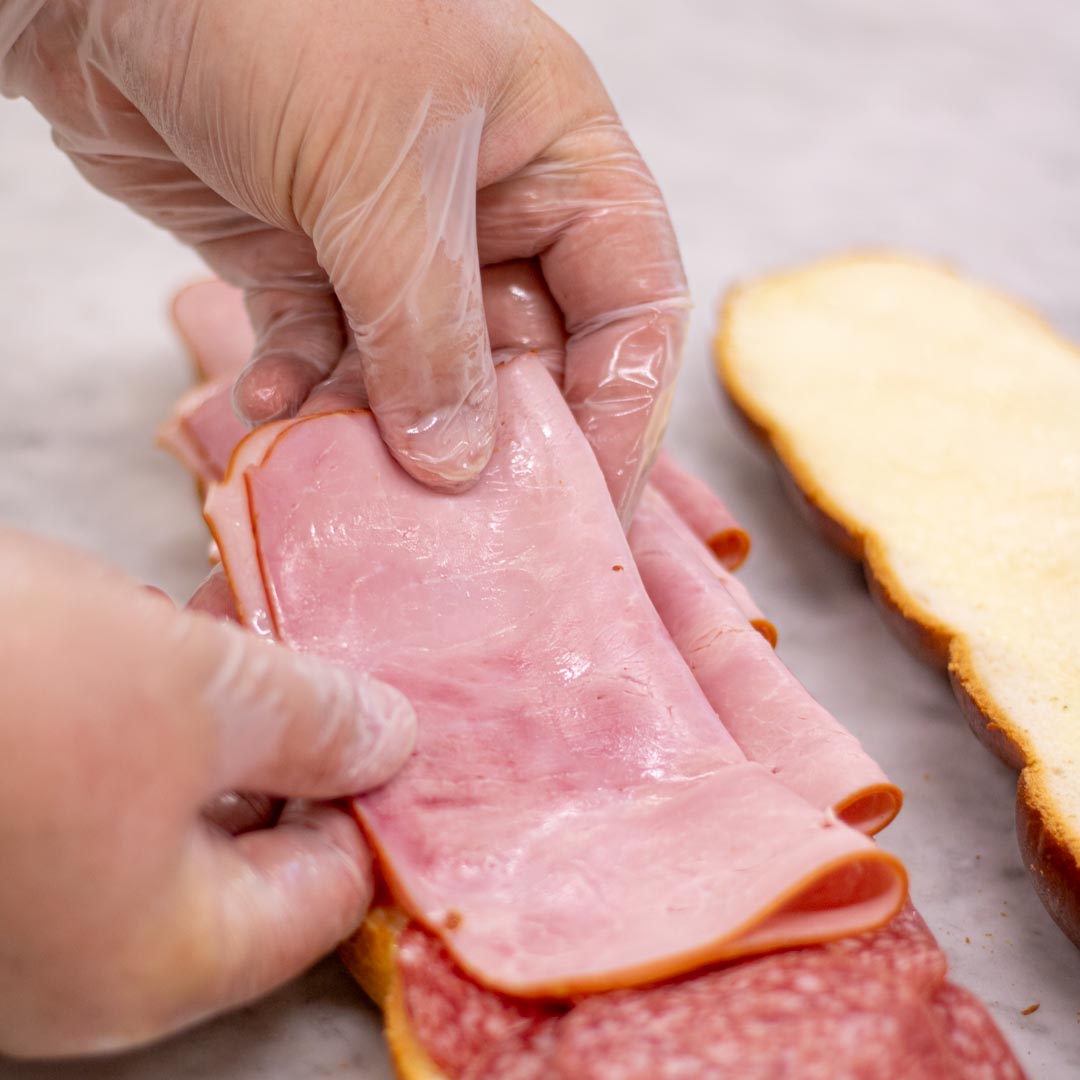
352	164
129	909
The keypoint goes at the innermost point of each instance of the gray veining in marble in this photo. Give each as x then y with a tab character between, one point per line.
779	130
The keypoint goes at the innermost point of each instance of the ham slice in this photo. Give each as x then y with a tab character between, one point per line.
702	510
870	1005
203	430
211	320
766	709
740	594
575	817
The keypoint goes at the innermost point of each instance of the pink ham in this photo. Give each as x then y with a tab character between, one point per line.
213	325
765	708
228	512
874	1005
212	430
702	510
203	430
740	594
575	817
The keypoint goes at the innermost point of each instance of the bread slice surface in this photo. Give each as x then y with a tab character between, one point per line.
931	427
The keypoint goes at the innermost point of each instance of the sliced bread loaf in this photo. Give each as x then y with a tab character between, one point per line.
931	428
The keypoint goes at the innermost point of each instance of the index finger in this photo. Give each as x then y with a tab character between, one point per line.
284	723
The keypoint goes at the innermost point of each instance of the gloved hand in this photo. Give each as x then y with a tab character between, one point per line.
352	164
125	911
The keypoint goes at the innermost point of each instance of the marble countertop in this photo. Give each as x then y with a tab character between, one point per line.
779	131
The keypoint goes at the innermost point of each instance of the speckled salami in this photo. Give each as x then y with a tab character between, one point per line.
876	1005
980	1050
803	1014
457	1021
525	1055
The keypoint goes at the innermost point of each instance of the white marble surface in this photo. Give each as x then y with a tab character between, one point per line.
779	130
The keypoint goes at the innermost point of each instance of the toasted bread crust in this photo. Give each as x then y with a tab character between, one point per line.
923	636
1050	848
988	722
1051	864
411	1061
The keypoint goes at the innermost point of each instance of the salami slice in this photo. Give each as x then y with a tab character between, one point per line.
869	1006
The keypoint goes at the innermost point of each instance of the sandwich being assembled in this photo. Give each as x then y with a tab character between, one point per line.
629	843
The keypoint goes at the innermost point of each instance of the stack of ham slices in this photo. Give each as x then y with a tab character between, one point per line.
618	790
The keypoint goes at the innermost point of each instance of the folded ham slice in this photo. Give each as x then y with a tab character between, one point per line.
703	511
211	320
740	594
875	1004
203	431
575	817
704	607
766	709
